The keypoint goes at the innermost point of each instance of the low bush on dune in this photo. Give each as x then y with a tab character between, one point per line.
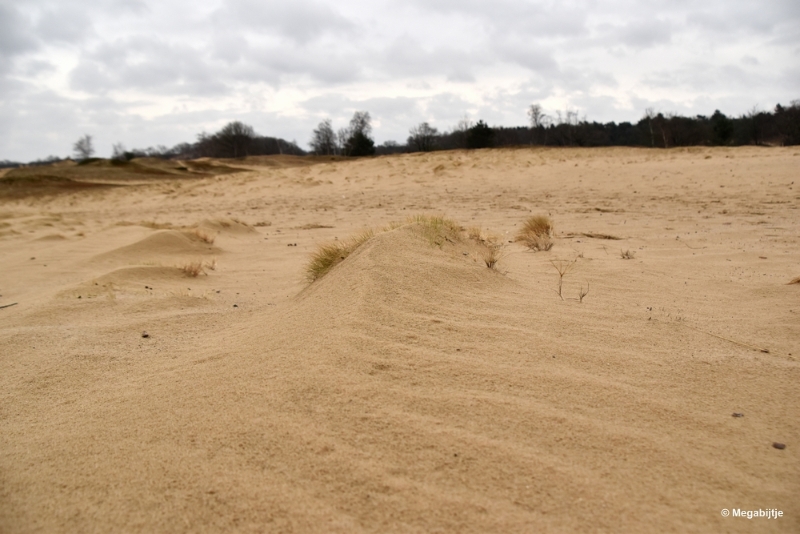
537	233
436	230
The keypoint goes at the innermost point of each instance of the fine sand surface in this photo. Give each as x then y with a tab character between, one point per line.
411	389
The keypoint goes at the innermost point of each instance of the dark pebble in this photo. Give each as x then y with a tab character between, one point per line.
145	334
737	414
235	305
779	446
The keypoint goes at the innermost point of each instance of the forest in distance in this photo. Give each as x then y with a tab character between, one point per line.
779	127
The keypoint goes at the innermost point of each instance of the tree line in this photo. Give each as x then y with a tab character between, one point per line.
779	127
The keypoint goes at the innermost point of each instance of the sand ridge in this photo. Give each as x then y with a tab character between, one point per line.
411	389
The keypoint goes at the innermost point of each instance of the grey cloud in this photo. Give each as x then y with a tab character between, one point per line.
535	59
641	34
322	65
147	64
501	17
15	33
298	21
704	77
405	56
62	25
737	18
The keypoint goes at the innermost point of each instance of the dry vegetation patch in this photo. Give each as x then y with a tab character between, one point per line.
204	236
594	235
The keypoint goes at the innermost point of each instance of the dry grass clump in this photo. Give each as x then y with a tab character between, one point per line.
203	236
491	256
492	244
329	255
627	254
193	269
537	233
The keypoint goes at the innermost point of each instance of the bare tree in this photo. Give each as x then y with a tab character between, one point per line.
537	119
361	123
535	115
118	152
342	135
235	139
324	139
650	114
83	147
752	117
423	137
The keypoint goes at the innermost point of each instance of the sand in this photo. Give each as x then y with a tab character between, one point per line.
411	389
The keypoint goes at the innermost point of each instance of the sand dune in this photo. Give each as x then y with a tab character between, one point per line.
411	388
161	244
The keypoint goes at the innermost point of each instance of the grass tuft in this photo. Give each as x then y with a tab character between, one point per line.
627	254
329	255
537	233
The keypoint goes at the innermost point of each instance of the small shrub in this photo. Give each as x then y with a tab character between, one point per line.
563	267
582	293
627	254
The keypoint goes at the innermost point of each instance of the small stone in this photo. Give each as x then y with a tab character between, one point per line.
235	305
738	414
145	335
779	446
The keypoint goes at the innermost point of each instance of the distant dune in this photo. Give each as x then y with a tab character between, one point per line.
167	365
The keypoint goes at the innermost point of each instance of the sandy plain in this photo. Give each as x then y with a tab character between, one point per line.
411	389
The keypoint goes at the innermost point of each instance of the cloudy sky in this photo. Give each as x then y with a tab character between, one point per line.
148	73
